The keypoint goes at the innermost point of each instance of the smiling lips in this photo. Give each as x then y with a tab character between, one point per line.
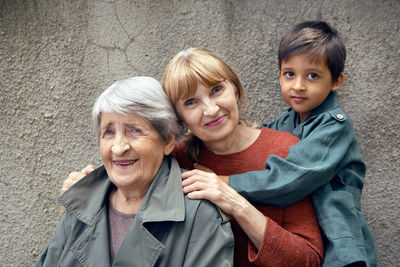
298	99
215	122
124	163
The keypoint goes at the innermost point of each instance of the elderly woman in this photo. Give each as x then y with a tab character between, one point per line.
132	211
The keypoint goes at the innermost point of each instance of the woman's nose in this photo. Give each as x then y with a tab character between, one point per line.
120	146
210	108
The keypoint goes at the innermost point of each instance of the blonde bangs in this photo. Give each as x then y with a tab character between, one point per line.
189	68
178	82
208	70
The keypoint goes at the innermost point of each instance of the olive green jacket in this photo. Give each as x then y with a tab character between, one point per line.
327	164
168	230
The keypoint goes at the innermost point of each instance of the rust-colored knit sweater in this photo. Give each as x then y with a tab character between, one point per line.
292	236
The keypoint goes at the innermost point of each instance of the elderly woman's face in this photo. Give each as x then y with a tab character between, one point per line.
131	149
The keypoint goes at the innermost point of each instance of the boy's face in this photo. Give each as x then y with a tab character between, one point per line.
306	82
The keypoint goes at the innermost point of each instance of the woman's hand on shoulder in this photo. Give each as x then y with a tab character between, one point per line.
74	177
224	178
199	184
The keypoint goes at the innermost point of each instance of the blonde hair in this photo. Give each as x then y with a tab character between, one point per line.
197	65
186	70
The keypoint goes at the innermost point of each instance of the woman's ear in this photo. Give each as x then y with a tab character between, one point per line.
338	82
169	146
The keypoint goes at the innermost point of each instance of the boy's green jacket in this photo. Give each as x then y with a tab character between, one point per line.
325	163
168	230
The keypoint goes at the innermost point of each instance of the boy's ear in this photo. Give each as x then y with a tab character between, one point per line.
279	74
336	84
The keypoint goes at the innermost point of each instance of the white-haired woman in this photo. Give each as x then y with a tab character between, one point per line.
132	211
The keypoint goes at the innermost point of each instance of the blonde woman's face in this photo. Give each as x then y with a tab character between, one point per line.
212	113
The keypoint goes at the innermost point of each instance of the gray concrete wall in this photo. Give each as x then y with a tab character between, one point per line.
58	55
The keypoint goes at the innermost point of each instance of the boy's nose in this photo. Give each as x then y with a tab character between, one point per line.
299	85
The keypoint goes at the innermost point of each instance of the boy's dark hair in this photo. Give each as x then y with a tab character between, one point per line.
318	40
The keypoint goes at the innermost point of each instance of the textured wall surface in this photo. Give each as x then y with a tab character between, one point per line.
58	55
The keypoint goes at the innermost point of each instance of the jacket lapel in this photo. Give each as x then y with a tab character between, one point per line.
85	200
164	201
91	248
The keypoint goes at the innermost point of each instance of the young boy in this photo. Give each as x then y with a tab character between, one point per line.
326	163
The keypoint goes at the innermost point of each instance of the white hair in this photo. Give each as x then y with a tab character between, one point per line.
142	96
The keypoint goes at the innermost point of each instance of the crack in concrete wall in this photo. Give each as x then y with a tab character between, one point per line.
57	56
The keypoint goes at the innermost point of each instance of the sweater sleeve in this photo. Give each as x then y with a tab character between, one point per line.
327	147
297	243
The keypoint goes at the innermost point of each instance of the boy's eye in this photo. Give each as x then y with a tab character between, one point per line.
189	102
289	74
216	90
312	75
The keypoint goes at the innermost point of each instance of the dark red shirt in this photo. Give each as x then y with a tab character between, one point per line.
292	236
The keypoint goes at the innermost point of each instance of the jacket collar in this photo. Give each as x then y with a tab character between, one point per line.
331	102
86	198
164	201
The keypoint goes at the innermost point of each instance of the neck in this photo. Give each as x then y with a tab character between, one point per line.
126	201
240	139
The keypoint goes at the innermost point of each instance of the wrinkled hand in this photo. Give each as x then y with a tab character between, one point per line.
74	177
205	184
200	184
224	178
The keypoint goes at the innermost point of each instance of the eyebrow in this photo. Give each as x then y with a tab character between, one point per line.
314	70
132	125
307	70
107	125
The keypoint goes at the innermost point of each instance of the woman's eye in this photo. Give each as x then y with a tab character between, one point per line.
189	102
108	132
135	131
289	74
216	90
312	75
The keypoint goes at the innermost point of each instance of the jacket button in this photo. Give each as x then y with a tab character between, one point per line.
340	116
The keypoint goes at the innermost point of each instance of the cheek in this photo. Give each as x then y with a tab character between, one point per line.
191	117
283	91
105	151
